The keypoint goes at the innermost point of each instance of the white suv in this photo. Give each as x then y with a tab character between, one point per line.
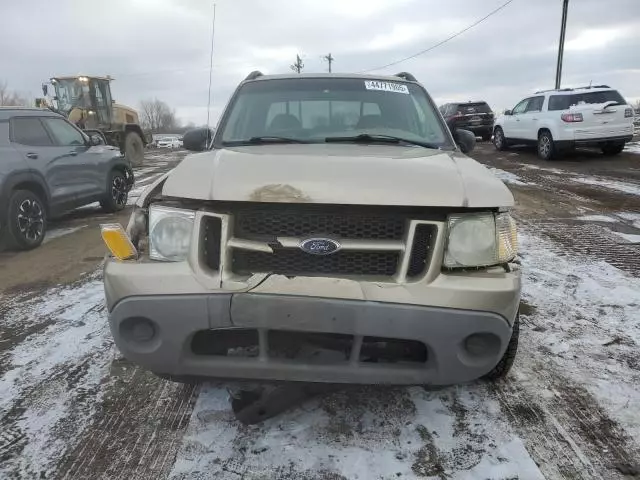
557	120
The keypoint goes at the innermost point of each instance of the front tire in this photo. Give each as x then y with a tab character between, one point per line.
26	220
499	141
506	362
612	148
134	149
117	192
546	146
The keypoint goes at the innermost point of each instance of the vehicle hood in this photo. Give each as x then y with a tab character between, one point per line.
338	174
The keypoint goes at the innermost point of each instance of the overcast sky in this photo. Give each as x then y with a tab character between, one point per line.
160	48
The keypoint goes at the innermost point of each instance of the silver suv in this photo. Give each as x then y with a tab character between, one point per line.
333	233
47	167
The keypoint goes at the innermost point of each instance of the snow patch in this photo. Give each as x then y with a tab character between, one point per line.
507	177
358	433
631	238
630	188
61	232
632	147
597	218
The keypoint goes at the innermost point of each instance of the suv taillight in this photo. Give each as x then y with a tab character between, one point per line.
571	117
628	112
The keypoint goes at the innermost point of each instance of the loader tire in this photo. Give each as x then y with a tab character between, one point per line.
134	149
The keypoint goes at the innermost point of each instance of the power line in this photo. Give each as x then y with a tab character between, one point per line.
422	52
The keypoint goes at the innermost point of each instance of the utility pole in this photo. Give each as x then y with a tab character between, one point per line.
563	28
298	66
329	58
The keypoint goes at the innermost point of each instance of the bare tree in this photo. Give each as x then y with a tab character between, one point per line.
157	117
11	98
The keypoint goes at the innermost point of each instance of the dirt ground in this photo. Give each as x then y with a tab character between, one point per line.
71	407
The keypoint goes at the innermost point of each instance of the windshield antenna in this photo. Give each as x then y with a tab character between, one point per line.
213	31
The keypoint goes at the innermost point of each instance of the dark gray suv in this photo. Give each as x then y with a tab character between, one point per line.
47	167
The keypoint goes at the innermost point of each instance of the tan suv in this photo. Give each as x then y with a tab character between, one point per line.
333	232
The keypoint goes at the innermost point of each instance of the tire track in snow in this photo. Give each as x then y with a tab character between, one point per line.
134	435
54	360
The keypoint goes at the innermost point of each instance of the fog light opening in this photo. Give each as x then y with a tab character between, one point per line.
481	345
138	330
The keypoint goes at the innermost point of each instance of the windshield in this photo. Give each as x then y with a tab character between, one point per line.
312	109
71	93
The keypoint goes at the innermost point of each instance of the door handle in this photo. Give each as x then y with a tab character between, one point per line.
32	156
73	153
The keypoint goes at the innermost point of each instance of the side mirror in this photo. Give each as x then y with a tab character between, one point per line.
465	139
197	140
507	112
95	140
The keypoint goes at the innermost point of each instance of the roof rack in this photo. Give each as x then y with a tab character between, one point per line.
253	75
406	76
572	89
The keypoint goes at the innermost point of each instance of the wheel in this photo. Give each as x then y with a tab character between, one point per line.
612	148
486	137
26	220
546	148
506	362
117	192
498	139
134	149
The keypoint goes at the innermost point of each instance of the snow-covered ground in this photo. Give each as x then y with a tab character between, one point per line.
71	407
581	329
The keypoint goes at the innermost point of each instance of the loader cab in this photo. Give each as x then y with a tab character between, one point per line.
86	101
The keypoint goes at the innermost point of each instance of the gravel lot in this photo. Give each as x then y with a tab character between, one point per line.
71	407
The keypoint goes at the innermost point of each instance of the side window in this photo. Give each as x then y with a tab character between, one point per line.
521	107
29	131
64	133
535	104
559	102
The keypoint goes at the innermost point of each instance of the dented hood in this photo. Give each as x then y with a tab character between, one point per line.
338	174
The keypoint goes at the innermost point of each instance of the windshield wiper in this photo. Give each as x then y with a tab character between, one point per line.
374	138
265	139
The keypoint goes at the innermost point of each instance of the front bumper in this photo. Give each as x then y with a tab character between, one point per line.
440	314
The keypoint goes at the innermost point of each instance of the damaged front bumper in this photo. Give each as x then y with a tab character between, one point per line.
451	330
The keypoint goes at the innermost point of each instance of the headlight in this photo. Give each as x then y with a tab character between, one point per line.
169	233
480	240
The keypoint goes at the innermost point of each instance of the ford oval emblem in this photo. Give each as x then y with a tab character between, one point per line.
319	246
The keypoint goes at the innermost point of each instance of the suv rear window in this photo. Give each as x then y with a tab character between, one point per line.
563	102
479	107
29	131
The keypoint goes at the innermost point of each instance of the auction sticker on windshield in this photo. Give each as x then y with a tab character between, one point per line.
386	86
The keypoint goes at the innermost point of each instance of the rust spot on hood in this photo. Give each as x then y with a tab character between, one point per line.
278	193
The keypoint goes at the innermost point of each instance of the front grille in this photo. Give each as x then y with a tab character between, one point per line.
297	262
212	228
421	249
260	223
